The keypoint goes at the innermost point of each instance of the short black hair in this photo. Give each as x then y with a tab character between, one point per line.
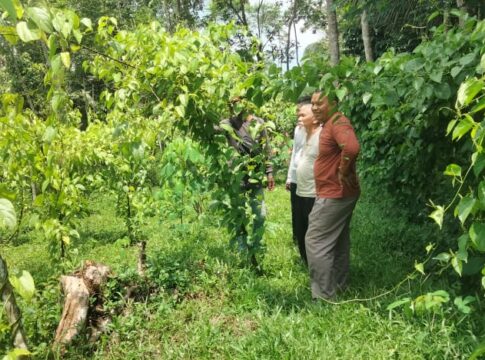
306	99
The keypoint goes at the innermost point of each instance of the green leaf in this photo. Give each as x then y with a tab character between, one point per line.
453	170
15	354
87	22
41	18
482	62
480	349
468	90
66	59
419	267
477	236
24	285
27	34
478	107
341	93
478	163
437	215
366	97
436	75
464	125
6	193
8	219
457	265
468	59
481	192
398	303
455	71
49	134
443	91
462	304
465	208
377	69
444	257
13	8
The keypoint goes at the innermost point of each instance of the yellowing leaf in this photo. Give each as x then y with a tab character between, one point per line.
27	34
66	59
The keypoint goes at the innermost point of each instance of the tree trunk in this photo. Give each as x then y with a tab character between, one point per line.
12	311
461	6
332	33
366	37
142	258
78	289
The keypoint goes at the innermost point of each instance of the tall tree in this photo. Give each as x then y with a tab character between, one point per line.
332	32
366	36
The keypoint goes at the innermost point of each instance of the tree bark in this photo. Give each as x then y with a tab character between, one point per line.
78	289
366	37
12	311
332	33
461	6
142	258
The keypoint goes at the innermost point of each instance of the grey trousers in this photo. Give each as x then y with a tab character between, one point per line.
328	245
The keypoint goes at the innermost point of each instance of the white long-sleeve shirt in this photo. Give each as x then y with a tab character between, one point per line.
299	139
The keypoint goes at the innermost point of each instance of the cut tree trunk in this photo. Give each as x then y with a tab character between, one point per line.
78	289
366	37
14	316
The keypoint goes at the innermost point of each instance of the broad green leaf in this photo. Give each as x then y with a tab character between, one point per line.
478	163
27	34
87	22
451	126
341	93
437	215
6	193
457	265
366	97
462	304
41	18
478	107
436	75
443	91
468	59
377	69
468	90
456	70
419	267
453	170
15	354
10	34
398	303
24	285
444	257
66	59
477	235
465	208
49	134
481	193
13	8
465	124
8	218
480	349
482	62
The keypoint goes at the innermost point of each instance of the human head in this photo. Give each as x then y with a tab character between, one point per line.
306	117
302	101
321	106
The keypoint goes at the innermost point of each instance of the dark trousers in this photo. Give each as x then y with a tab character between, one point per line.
304	206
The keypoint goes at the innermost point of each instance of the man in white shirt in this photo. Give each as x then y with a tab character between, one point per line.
299	139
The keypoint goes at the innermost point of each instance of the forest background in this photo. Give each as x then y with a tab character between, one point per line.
110	152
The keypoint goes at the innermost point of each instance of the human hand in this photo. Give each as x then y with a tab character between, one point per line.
270	182
288	186
347	179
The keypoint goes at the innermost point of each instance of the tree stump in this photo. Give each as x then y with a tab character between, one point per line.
78	289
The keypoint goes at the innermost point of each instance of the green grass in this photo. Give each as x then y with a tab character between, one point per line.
208	306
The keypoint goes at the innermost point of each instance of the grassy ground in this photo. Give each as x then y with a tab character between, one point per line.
207	306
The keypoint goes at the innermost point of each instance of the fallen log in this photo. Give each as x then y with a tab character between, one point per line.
79	311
